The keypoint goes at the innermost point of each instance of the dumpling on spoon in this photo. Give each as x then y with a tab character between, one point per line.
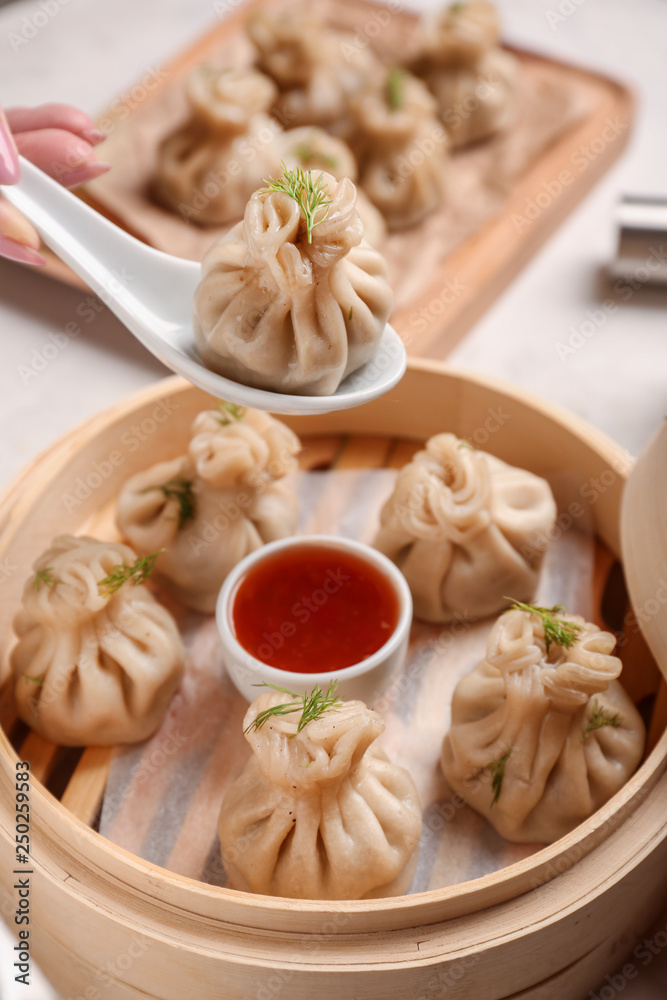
293	299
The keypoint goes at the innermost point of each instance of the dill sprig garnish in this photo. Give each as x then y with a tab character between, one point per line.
310	195
599	719
230	413
307	154
556	631
496	768
179	488
395	91
35	680
45	577
313	706
134	573
456	8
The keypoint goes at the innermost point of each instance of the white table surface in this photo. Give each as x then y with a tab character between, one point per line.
89	51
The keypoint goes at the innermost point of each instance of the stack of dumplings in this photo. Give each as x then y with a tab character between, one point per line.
401	147
316	69
213	506
474	80
307	75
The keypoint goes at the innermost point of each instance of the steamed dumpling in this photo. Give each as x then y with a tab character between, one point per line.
312	148
474	81
479	100
375	227
316	69
213	506
92	667
465	529
289	310
542	734
208	168
329	817
460	33
401	147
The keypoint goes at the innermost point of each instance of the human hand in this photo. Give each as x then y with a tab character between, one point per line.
57	138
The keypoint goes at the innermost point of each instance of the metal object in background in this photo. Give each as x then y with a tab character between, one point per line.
642	240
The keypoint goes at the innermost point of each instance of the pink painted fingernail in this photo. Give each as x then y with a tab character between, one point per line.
9	162
20	252
82	174
93	135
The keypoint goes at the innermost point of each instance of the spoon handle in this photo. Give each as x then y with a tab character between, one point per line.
133	279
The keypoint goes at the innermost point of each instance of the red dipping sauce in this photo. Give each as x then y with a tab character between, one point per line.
313	608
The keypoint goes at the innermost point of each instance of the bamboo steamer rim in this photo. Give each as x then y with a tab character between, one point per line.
644	542
406	911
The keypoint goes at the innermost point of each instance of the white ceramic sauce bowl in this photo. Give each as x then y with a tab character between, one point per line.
365	680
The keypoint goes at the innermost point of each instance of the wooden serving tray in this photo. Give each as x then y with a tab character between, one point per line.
506	196
576	906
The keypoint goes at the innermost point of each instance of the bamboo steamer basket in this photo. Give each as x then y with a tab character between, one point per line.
105	923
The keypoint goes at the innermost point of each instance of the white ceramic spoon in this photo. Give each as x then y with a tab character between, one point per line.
152	294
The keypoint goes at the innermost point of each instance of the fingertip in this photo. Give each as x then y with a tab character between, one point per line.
9	161
81	175
93	135
19	252
61	154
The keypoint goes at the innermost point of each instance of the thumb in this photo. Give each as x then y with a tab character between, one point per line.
18	240
9	163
